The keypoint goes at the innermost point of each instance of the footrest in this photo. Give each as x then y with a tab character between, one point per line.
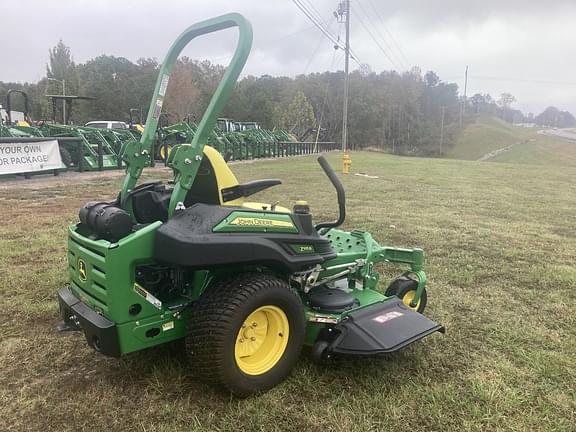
381	328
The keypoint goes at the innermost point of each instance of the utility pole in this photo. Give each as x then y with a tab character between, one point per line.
442	129
399	128
64	102
383	132
466	83
344	13
463	103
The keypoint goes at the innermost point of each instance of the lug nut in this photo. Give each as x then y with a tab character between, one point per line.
252	338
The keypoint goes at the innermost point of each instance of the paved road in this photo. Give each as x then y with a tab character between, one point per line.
566	134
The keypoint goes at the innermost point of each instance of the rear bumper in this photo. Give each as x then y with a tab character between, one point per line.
101	333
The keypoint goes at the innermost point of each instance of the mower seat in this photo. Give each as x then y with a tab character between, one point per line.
215	184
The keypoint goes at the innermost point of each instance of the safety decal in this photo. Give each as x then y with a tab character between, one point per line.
149	297
388	316
158	108
163	85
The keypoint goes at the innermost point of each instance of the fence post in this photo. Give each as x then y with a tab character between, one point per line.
80	156
100	156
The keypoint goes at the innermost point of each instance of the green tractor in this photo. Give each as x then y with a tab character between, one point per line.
244	285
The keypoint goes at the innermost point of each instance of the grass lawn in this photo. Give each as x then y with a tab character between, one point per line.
501	256
486	135
490	133
542	150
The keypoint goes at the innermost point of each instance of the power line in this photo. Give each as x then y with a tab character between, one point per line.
408	62
332	64
318	16
376	42
319	25
294	33
312	8
367	15
281	38
316	22
314	53
399	49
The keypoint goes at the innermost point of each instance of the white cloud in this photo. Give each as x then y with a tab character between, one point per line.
524	39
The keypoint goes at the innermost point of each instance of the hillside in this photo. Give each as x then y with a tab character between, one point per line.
486	135
489	134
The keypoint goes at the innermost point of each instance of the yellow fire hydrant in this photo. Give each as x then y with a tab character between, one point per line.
346	162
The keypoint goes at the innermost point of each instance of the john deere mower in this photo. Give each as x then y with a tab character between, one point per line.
245	285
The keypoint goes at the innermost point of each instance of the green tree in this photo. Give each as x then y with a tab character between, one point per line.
60	63
298	116
60	67
117	84
553	117
505	101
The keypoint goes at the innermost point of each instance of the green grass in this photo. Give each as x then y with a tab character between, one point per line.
542	150
486	135
500	244
490	133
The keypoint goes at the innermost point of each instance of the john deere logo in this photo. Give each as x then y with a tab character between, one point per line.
82	273
259	222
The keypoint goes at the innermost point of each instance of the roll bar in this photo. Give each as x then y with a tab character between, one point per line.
185	159
9	104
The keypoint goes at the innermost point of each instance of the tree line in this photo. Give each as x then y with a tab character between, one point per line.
404	113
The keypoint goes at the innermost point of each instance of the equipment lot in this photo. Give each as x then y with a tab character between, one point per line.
500	242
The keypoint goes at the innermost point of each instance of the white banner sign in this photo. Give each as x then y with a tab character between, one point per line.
29	157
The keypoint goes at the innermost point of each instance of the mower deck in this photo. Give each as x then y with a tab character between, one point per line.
381	328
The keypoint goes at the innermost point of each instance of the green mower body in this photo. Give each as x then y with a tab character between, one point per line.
244	284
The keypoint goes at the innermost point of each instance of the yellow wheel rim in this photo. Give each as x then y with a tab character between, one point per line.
164	150
407	299
261	340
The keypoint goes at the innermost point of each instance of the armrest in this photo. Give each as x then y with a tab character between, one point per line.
247	189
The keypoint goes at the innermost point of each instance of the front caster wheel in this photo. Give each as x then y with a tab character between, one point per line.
405	289
246	332
320	353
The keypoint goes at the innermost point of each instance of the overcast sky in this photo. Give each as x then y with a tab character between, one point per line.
524	47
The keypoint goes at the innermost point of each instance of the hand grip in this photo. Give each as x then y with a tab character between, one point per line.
340	192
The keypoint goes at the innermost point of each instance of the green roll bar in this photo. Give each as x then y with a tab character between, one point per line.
185	159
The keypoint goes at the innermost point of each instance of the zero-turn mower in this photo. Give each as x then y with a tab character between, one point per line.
244	284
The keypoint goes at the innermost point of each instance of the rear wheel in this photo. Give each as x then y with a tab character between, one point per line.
246	332
164	152
405	289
